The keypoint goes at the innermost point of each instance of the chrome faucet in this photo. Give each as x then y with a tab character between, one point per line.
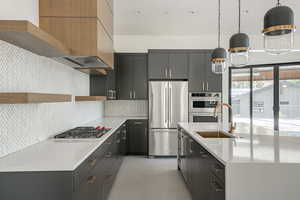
220	106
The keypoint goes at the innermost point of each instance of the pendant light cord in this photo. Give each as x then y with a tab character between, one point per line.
219	25
278	3
239	16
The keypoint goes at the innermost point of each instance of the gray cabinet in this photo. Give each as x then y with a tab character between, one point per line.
103	85
203	174
178	65
137	133
124	75
167	64
92	180
158	65
132	76
201	77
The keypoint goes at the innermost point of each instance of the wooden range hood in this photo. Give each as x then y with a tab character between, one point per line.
86	28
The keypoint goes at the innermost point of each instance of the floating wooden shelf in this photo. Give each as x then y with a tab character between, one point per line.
28	98
28	36
90	98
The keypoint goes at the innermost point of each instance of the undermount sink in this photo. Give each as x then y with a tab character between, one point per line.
214	134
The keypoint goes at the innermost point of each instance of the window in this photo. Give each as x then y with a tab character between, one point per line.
240	96
268	97
258	106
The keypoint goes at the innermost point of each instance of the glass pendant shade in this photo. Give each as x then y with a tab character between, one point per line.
239	59
218	60
279	30
239	49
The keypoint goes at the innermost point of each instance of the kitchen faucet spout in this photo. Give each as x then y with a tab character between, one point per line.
219	107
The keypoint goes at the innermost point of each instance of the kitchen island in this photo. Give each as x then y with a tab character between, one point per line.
256	167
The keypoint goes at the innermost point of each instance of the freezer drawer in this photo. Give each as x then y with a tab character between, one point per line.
163	142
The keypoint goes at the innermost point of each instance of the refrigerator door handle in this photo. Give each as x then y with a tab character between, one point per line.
166	105
151	109
170	105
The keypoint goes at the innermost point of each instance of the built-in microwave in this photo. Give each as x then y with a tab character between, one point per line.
204	102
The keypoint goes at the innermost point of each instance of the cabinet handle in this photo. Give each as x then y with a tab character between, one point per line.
207	85
203	86
170	73
93	163
130	94
217	168
216	186
91	179
138	123
109	155
134	94
166	72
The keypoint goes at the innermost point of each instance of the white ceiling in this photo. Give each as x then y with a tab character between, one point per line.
190	17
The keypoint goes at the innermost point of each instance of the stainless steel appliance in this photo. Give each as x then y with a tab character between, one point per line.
168	105
83	132
111	94
202	105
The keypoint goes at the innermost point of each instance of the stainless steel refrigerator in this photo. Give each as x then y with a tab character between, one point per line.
168	105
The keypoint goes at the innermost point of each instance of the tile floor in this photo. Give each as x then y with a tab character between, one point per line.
149	179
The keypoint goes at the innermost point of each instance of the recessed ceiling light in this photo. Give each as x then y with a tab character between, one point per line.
192	12
138	12
166	12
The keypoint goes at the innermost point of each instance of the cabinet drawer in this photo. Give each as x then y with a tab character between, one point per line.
217	188
218	169
90	187
93	161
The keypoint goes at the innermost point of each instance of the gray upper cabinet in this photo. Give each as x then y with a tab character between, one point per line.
196	72
124	74
132	77
140	84
213	81
178	66
158	65
168	64
201	77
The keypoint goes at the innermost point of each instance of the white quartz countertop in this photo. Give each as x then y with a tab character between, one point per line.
260	148
59	154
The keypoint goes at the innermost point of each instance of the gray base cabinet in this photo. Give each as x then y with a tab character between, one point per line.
92	180
203	174
137	137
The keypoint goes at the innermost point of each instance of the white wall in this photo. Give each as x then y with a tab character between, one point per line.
20	10
22	71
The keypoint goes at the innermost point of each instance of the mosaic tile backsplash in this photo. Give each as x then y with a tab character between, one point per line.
125	108
27	124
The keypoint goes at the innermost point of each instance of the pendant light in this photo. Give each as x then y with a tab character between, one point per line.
239	46
279	29
219	55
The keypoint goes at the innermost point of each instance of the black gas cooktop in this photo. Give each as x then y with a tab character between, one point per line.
83	132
